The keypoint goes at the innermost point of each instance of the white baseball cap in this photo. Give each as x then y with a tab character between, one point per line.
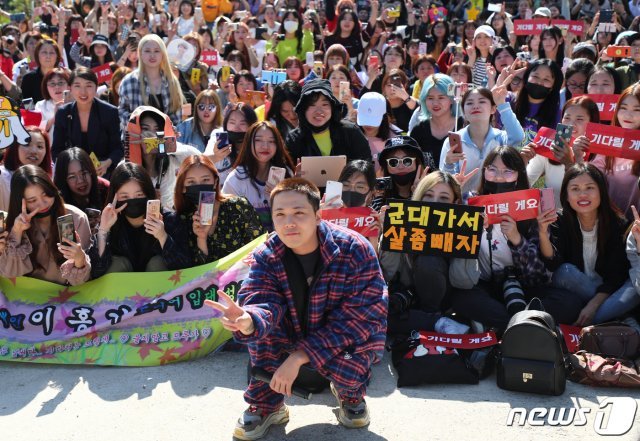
545	12
371	109
484	29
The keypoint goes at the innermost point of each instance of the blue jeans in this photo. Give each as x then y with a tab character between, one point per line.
569	277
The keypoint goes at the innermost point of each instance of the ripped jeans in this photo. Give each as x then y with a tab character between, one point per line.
569	277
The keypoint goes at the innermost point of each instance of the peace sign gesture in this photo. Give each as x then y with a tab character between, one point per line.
422	172
461	177
635	227
110	214
22	222
234	318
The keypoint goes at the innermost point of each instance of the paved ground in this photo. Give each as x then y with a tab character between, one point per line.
201	400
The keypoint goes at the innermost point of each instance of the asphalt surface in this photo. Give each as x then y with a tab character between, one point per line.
202	399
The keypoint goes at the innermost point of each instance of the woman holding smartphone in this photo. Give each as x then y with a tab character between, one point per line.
34	247
263	149
232	224
130	239
196	131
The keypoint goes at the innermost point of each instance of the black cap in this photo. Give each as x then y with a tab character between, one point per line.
406	143
100	39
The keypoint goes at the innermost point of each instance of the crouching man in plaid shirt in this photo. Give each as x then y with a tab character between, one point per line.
315	297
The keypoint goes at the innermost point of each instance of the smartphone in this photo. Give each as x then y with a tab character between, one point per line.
27	103
104	27
619	51
66	96
2	227
23	69
345	90
256	95
170	145
280	37
94	219
528	14
496	40
455	142
422	48
205	207
563	133
333	189
547	200
310	59
139	7
494	7
374	60
276	174
153	209
606	16
66	229
156	18
94	160
222	138
383	184
160	138
197	15
261	33
318	67
17	18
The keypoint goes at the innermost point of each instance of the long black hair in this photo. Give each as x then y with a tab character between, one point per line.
62	170
296	15
287	91
548	112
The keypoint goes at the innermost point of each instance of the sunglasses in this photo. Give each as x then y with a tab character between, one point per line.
407	161
209	107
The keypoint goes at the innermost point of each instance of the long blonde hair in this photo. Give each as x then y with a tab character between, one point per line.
175	92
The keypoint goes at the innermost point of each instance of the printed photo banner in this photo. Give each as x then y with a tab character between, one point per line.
613	141
123	319
535	26
359	219
432	228
520	205
606	104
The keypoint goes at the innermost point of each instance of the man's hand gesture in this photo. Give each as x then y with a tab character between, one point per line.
234	318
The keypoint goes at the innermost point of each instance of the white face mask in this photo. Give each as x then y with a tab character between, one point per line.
290	26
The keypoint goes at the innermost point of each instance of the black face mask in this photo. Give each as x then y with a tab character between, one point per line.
404	179
236	138
135	208
320	129
353	198
192	194
537	92
47	213
499	187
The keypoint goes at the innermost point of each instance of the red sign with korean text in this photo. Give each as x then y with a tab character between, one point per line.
544	142
571	335
613	141
576	27
104	73
530	27
362	220
520	205
459	341
606	105
30	118
210	58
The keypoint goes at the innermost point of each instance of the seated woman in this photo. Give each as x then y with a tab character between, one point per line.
79	184
128	241
34	247
54	84
508	250
37	152
88	123
262	149
235	222
585	247
281	111
196	131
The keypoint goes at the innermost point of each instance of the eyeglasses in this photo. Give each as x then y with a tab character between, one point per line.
575	86
407	161
58	84
82	176
493	172
209	107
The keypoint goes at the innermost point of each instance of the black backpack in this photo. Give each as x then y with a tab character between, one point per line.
532	356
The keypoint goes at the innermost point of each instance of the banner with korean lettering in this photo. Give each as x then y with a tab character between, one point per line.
210	58
571	335
530	27
123	319
544	142
360	219
432	228
520	205
103	73
576	27
613	141
606	105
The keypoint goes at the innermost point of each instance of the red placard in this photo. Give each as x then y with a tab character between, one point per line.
571	335
210	58
33	65
544	142
104	73
520	205
30	118
576	27
362	220
458	341
606	105
530	27
613	141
